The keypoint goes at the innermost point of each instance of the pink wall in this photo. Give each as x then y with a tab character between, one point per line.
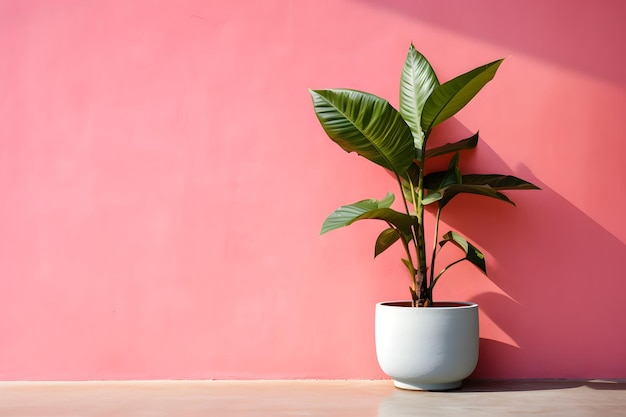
163	180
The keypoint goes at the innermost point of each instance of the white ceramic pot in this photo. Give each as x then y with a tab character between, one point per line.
431	348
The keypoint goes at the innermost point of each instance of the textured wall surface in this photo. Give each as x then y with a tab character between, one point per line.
163	179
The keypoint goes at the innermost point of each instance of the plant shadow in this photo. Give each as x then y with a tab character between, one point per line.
559	273
562	274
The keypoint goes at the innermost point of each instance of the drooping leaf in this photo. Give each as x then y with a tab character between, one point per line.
461	145
387	200
499	182
345	215
472	254
450	97
385	240
416	84
445	195
487	185
366	124
401	221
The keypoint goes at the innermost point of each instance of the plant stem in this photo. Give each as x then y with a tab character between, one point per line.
432	285
412	270
420	245
432	259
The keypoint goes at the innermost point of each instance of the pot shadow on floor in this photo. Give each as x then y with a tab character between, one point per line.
474	385
607	385
481	398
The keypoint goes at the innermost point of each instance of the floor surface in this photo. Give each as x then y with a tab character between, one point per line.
309	398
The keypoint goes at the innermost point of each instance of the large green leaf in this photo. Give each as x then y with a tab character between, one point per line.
472	253
450	97
417	82
461	145
366	124
345	215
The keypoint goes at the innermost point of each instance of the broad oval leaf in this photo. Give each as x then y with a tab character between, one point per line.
385	240
472	253
450	97
416	84
345	215
366	124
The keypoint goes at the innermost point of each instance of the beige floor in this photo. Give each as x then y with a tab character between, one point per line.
309	398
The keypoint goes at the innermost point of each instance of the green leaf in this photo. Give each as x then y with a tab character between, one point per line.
487	185
366	124
408	265
461	145
433	180
499	182
472	253
445	195
387	200
410	195
432	197
413	173
450	97
453	175
403	222
385	240
345	215
450	178
416	84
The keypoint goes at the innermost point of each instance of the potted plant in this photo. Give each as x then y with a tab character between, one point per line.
420	343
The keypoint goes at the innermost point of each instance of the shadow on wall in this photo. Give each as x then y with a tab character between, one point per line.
571	295
557	32
560	271
563	273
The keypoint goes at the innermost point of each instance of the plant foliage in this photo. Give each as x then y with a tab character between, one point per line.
397	140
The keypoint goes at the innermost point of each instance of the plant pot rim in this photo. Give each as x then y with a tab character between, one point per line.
443	305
